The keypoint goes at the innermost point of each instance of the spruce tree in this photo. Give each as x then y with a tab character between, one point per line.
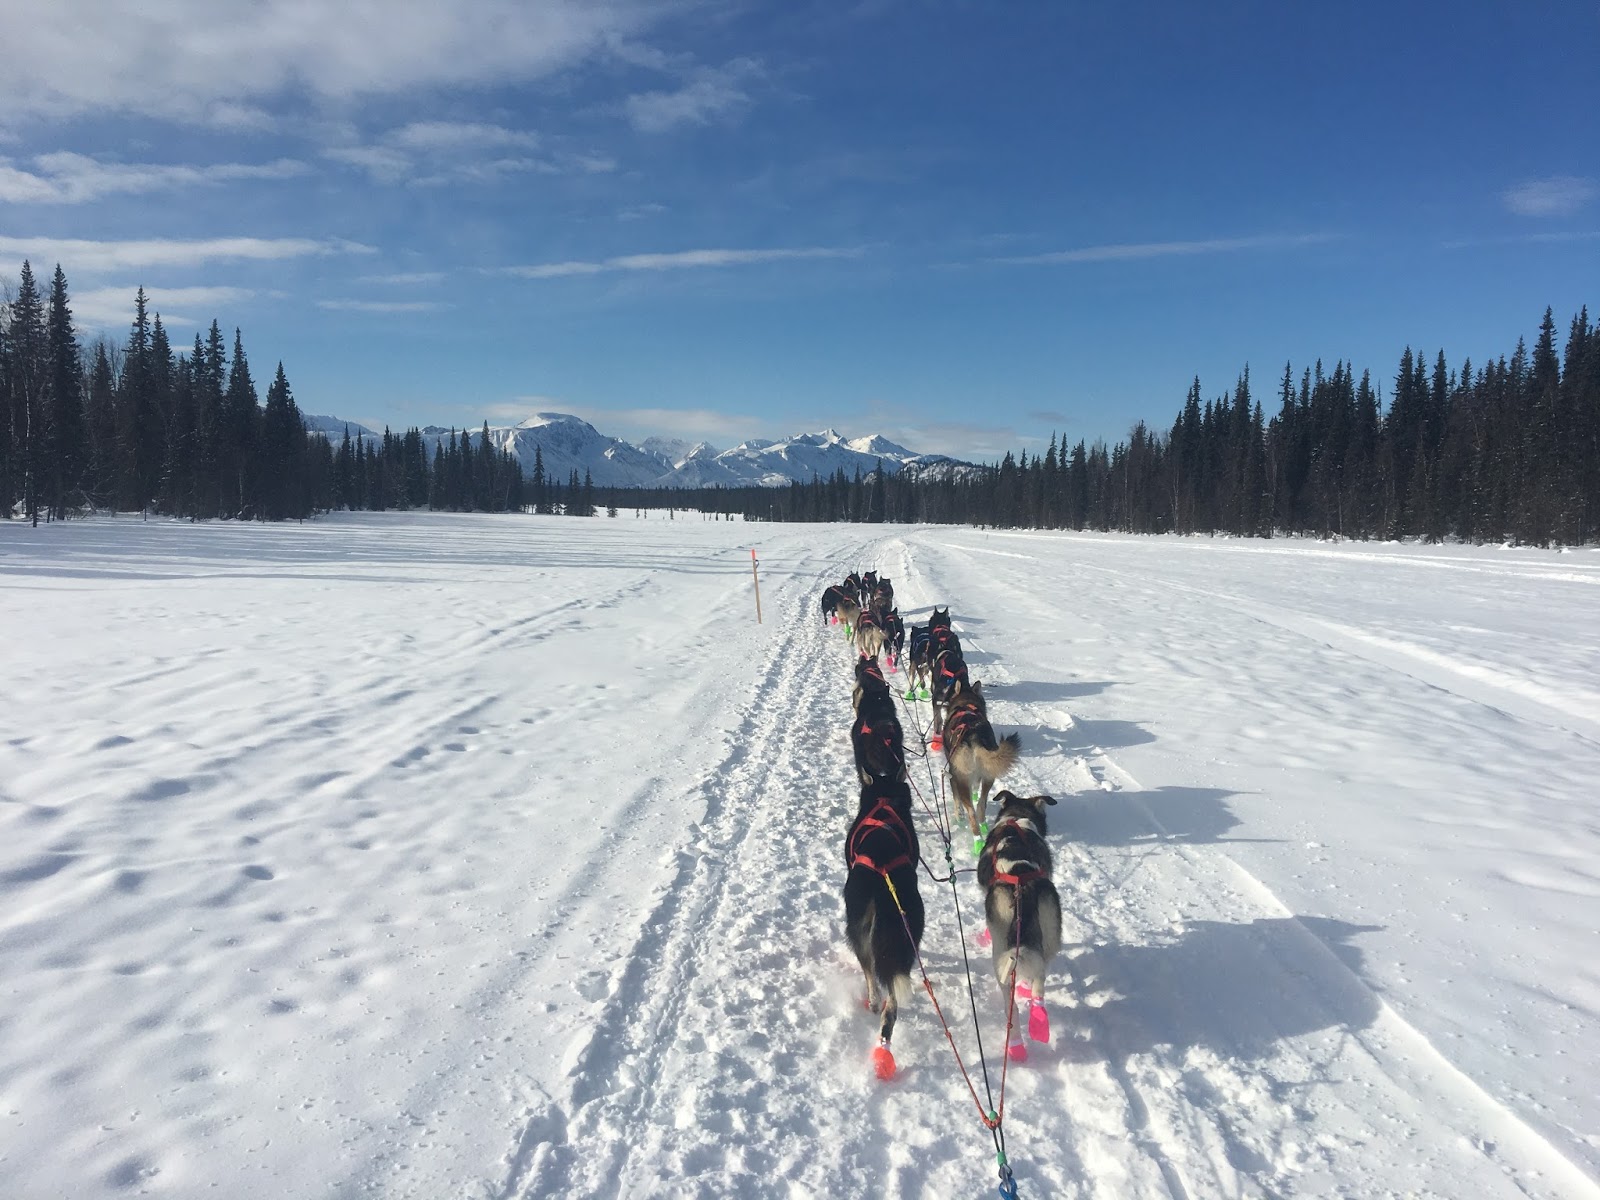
29	363
541	501
102	428
282	454
241	415
69	440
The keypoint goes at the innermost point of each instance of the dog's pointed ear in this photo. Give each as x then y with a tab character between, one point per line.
1045	799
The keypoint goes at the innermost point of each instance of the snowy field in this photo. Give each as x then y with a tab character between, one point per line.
487	857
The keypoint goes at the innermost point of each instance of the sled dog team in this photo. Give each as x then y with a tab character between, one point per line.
883	909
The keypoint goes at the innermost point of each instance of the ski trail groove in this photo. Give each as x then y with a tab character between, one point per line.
675	975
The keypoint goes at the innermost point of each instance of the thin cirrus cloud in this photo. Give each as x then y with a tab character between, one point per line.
677	261
404	278
96	256
219	63
1134	251
68	178
1555	196
110	307
459	135
708	94
381	307
434	152
690	424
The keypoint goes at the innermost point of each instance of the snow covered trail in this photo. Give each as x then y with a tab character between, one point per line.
473	857
1242	1044
321	842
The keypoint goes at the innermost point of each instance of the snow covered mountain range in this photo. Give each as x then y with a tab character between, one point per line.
569	443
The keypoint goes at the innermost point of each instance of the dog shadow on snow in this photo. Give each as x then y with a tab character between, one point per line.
1031	691
1234	989
1192	815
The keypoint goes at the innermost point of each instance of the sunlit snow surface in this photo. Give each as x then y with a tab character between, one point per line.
453	856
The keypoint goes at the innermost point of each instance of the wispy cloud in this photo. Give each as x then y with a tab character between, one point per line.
640	211
404	278
215	62
110	307
430	153
68	178
1554	196
459	135
677	261
1133	251
708	94
84	255
382	306
722	429
384	164
1524	239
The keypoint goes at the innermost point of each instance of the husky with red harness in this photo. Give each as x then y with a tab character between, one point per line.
1022	909
883	915
974	756
876	735
947	675
831	599
894	637
882	597
870	635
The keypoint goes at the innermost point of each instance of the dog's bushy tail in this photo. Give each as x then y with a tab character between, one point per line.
894	940
1002	758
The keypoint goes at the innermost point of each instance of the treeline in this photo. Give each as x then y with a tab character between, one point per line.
396	472
1505	451
1509	451
138	427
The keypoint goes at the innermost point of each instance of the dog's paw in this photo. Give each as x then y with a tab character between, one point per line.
883	1064
1039	1023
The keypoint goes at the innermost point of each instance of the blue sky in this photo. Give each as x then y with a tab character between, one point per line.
965	225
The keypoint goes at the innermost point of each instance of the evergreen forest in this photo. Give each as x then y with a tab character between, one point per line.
1507	450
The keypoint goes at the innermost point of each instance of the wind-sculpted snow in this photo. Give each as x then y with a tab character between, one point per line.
455	856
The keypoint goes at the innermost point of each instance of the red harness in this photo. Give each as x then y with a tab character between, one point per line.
1018	878
960	727
895	825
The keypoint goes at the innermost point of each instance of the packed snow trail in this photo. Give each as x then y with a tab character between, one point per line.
454	856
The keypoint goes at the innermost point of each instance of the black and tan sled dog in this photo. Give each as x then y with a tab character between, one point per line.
1021	909
883	914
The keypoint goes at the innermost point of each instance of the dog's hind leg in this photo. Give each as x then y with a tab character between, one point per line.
895	992
958	789
1049	917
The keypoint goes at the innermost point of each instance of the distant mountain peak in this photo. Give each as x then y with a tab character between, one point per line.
541	419
568	443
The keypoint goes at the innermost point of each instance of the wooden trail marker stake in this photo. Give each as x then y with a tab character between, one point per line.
757	578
